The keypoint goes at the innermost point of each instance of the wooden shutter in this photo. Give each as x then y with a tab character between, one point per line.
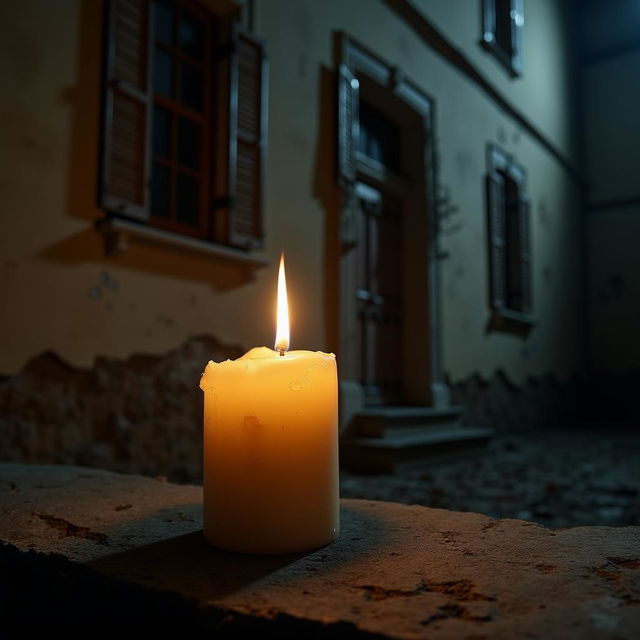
525	254
248	79
497	242
348	125
125	171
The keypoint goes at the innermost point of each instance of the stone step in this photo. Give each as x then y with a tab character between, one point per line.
385	455
380	422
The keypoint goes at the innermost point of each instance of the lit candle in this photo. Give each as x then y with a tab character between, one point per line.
271	447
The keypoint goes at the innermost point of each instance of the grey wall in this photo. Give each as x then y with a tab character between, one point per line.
611	93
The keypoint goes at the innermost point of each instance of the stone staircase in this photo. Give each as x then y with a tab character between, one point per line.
383	439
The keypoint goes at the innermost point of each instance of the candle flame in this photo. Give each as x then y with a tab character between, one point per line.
282	327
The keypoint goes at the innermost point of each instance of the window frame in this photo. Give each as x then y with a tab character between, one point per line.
205	118
512	59
230	214
504	317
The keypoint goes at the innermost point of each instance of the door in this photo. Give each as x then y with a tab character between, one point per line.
384	239
379	295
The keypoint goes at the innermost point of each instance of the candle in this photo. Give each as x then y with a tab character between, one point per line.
271	447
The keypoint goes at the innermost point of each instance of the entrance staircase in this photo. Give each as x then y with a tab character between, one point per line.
383	439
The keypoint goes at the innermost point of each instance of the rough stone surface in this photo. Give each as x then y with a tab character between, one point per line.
139	415
498	403
508	408
396	571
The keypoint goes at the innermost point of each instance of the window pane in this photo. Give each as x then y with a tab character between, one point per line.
188	143
191	36
504	25
160	179
187	199
164	21
163	73
379	138
161	132
190	86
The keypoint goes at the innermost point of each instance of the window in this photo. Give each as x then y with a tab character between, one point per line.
181	117
379	138
184	122
509	238
502	24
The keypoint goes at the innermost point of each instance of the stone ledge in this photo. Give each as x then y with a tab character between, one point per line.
129	549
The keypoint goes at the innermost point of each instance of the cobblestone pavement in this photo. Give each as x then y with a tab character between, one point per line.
558	478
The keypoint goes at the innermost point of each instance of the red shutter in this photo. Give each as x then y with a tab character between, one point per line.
248	79
525	254
497	242
125	172
348	125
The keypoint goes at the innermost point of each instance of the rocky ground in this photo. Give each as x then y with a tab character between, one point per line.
557	478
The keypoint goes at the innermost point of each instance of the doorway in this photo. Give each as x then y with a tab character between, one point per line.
388	322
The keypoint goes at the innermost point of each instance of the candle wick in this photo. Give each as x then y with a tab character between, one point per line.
282	352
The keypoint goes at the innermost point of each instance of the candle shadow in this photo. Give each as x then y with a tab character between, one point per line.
189	565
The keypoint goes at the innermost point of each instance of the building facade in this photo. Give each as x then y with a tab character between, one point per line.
418	162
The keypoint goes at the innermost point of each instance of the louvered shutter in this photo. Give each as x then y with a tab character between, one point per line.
348	125
497	243
525	254
124	185
247	139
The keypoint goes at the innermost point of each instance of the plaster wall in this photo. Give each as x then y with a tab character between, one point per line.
612	141
547	90
466	121
59	291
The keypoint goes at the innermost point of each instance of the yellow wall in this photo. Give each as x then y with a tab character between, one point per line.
53	261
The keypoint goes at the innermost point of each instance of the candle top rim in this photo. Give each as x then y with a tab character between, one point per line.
264	353
258	353
261	358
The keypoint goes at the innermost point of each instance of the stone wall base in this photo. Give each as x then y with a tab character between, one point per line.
139	415
144	414
547	402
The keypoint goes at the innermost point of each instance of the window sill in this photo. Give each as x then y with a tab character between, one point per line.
118	233
509	62
511	321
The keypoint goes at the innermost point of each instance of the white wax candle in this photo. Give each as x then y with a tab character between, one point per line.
271	451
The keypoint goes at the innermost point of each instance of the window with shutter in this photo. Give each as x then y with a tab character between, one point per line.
502	26
508	229
172	157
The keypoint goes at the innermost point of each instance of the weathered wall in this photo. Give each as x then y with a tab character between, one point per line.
139	415
60	293
466	120
532	405
547	91
612	142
